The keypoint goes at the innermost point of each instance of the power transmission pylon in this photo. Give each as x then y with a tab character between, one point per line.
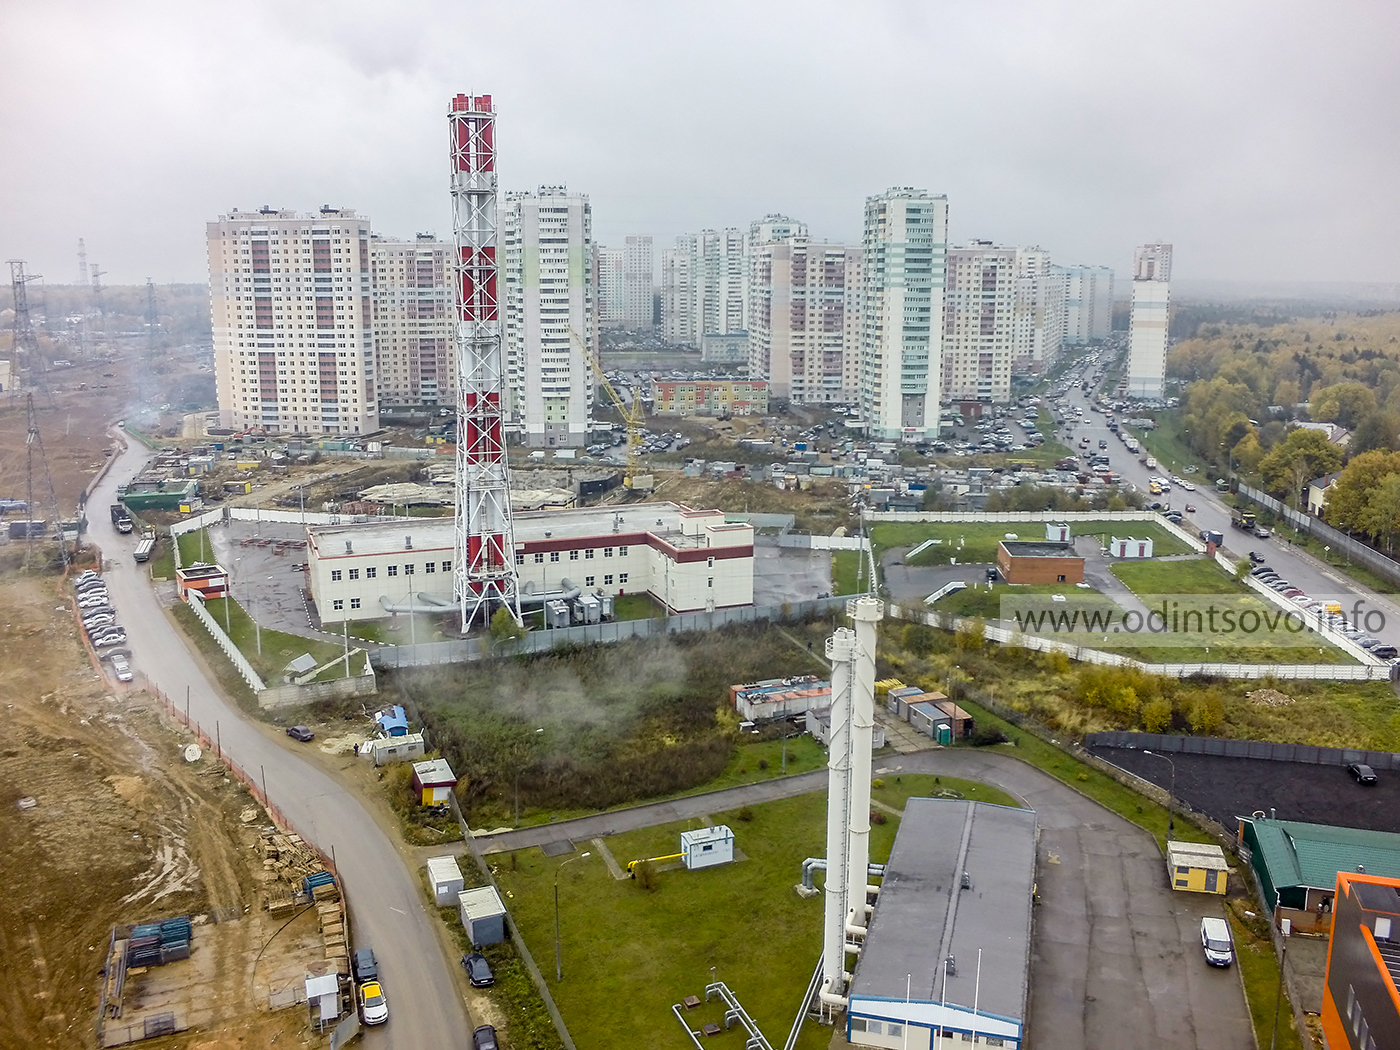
82	263
32	440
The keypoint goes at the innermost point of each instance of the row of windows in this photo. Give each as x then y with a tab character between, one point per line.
372	571
573	555
895	1029
590	581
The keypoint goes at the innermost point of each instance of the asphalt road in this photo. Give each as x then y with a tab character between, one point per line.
1377	614
1116	957
426	1007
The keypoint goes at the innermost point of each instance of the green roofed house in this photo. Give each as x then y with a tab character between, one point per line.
1296	864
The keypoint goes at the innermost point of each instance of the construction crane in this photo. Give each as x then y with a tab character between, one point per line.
632	416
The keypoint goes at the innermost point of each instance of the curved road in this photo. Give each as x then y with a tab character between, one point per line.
426	1007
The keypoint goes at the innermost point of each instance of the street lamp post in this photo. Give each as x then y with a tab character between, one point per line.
518	770
1171	792
558	958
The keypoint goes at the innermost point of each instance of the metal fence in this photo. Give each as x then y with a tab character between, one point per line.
240	662
1354	549
1261	749
429	654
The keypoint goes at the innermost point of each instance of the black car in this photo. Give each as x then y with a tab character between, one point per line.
304	735
1362	773
1256	557
478	970
366	966
1385	652
484	1038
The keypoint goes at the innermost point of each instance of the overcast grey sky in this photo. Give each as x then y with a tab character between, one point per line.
1260	137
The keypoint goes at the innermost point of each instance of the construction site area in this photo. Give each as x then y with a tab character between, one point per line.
149	893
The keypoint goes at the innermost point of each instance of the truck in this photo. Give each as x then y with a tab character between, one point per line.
121	519
1149	462
1243	519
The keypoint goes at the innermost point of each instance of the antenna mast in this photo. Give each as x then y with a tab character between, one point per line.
484	563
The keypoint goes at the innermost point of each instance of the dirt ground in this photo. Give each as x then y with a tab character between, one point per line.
123	830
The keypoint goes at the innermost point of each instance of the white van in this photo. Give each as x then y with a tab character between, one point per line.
1215	941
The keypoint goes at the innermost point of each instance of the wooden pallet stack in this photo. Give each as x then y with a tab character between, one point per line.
332	918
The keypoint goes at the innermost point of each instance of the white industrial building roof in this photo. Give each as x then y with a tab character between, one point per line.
481	901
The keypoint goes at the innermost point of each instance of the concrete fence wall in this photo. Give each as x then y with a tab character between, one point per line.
240	662
297	695
1372	672
823	543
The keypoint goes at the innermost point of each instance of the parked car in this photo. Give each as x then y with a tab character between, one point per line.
1385	652
1291	592
374	1008
121	668
1216	942
484	1038
1362	773
1367	642
88	615
109	640
304	735
478	970
98	623
365	965
1256	558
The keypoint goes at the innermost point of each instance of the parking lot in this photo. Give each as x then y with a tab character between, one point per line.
1225	788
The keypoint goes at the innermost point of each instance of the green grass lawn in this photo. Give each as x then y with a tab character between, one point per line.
1259	969
984	602
976	542
845	570
401	629
1285	534
740	923
277	650
636	607
1169	444
162	566
898	788
196	546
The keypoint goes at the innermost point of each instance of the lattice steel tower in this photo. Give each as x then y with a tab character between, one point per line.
484	564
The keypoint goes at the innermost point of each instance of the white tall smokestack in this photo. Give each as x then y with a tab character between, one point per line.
840	650
866	612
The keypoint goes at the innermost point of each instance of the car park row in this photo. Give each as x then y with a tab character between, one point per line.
99	620
1328	613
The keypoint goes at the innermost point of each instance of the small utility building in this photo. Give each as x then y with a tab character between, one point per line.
775	698
392	721
483	915
446	879
1197	866
434	781
707	847
1128	547
1024	561
959	879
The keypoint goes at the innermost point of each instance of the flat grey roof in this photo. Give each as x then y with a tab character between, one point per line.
1038	549
922	914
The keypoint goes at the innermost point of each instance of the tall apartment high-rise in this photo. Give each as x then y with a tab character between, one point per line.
638	284
414	348
805	302
678	293
608	282
977	322
704	285
290	300
1147	327
905	253
547	252
1088	303
1038	313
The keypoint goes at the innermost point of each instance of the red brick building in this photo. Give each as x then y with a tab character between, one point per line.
1022	561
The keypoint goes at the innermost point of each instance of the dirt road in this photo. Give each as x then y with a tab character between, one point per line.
386	909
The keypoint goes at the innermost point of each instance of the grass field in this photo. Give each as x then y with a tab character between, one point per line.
845	572
976	542
740	923
1168	444
277	649
1259	971
898	789
986	602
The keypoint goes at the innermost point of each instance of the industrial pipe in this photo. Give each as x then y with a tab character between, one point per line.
812	865
568	592
388	605
840	650
866	612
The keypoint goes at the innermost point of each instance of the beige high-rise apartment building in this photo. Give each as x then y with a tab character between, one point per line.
804	313
291	306
1147	326
412	283
678	293
704	286
608	282
638	284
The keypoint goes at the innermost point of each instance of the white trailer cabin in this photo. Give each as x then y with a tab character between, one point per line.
707	847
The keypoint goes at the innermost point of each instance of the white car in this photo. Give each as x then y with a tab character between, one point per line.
121	668
1187	486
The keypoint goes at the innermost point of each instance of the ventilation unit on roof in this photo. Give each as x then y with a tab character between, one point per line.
408	543
348	548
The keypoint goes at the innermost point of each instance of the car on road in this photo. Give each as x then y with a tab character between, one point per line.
1256	558
478	970
484	1038
1190	508
300	733
374	1008
1262	533
121	667
365	965
1188	486
1215	941
1362	773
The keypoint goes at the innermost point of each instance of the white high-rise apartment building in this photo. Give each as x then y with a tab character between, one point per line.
414	348
978	326
678	293
550	323
1088	303
805	302
905	252
290	300
1038	313
1147	327
704	277
638	284
608	281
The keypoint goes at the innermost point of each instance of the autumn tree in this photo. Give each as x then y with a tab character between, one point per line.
1293	462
